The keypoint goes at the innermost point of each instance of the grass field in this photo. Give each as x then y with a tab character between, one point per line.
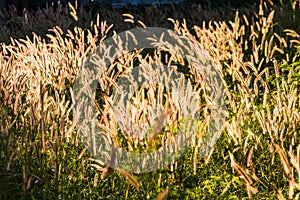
255	49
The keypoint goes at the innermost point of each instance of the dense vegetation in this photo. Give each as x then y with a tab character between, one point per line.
257	155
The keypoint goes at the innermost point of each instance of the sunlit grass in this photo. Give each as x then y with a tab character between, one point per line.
257	154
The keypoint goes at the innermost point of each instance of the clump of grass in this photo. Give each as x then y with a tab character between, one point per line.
257	154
